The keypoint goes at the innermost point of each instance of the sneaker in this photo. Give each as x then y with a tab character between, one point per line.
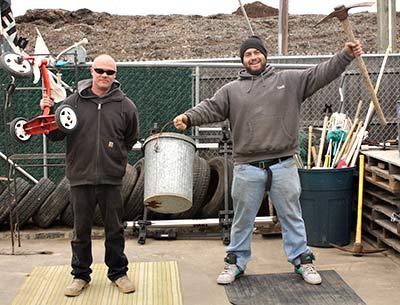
307	269
124	284
75	288
231	271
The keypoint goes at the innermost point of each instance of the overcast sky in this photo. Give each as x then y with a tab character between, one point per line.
189	7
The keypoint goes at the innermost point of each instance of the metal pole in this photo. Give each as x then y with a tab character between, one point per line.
18	168
390	22
197	86
197	96
391	25
45	169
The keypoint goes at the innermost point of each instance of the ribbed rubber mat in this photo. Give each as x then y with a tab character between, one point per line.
157	283
289	288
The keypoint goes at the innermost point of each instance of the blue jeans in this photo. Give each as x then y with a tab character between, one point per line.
247	192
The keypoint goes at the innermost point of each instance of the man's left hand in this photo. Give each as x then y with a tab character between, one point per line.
353	48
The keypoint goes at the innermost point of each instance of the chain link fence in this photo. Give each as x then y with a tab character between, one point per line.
161	90
158	92
351	84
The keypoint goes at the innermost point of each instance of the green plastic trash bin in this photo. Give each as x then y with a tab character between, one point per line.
326	200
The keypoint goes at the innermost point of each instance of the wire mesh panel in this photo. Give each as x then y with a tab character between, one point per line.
161	92
355	90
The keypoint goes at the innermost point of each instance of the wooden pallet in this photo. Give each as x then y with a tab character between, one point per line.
379	214
378	195
385	159
381	199
381	178
380	237
382	168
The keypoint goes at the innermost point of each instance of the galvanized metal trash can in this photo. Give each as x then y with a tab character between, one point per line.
168	172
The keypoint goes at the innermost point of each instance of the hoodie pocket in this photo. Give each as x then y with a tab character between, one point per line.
114	157
266	134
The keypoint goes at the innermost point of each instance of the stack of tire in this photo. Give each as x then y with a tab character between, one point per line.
46	203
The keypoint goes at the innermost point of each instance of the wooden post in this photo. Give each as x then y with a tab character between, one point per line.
283	27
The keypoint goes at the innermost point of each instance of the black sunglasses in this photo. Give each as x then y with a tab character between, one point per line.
101	71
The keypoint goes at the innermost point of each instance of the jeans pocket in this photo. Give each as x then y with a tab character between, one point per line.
288	163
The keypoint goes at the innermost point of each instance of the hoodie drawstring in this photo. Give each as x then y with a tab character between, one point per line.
263	80
251	85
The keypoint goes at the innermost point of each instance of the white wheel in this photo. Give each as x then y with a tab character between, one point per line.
15	65
66	119
17	130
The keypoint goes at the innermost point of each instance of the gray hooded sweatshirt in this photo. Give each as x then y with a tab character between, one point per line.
264	110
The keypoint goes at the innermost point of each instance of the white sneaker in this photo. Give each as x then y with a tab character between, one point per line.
309	273
230	273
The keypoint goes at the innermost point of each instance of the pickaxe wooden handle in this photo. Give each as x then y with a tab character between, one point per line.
364	73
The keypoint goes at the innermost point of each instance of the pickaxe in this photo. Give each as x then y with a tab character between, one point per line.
341	12
358	248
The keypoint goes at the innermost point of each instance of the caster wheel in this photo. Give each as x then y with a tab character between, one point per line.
15	65
66	118
17	130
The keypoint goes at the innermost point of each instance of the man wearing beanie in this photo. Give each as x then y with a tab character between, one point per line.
263	108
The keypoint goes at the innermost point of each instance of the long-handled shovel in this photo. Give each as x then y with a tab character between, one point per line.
358	248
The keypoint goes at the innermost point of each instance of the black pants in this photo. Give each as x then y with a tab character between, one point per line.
84	199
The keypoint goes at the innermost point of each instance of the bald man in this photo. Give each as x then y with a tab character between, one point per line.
96	160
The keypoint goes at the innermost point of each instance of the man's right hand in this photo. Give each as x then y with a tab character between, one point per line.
46	102
181	122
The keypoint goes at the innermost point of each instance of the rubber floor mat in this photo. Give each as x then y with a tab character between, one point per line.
290	288
157	283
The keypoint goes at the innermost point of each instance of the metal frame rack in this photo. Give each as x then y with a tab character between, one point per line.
200	228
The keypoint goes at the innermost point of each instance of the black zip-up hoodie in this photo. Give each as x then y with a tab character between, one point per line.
108	127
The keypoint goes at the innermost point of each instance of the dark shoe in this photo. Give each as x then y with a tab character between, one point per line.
124	284
75	288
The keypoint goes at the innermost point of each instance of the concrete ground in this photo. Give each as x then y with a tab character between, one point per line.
375	278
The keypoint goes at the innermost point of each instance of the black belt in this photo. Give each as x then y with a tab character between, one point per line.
267	163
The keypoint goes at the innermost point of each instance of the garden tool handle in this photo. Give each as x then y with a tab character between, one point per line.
364	73
360	199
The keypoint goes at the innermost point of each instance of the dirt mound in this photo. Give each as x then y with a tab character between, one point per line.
257	10
155	37
61	17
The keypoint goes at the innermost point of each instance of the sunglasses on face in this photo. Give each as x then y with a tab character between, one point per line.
102	71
